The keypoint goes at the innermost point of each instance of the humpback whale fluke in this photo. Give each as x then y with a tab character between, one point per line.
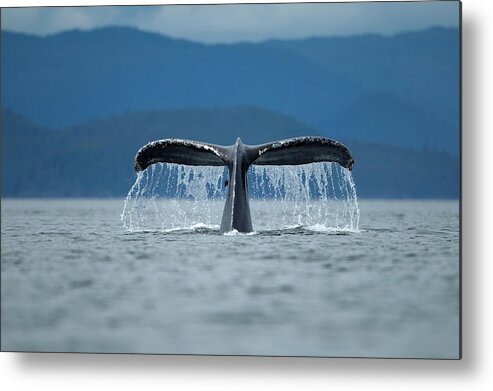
238	158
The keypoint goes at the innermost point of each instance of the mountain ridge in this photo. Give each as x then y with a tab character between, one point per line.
72	77
435	29
95	159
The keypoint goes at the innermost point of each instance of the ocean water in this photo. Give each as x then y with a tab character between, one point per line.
75	280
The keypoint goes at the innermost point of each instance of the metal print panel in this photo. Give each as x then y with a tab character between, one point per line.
240	179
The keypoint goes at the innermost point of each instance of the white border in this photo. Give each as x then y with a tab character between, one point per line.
474	372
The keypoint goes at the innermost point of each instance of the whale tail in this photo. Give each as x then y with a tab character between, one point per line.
294	151
301	150
192	153
238	158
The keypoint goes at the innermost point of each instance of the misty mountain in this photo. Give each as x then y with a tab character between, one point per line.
95	159
420	67
400	90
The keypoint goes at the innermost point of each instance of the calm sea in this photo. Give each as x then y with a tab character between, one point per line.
73	279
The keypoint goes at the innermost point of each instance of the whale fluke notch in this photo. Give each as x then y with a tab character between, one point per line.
238	158
192	153
301	150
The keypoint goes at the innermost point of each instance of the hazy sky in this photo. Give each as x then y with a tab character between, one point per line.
232	23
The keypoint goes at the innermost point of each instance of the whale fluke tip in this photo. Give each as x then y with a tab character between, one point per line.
350	165
137	166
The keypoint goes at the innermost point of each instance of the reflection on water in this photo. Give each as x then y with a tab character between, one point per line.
74	280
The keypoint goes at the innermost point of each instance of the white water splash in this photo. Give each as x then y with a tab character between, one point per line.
167	197
171	197
316	194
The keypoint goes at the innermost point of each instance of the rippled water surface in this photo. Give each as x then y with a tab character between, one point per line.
73	279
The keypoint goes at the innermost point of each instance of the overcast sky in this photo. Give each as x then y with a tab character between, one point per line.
232	23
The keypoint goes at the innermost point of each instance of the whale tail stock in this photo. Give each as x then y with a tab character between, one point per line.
238	157
294	151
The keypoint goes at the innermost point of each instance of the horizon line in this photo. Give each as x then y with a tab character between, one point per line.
242	41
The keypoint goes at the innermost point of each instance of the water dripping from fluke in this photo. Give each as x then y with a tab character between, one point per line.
174	198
